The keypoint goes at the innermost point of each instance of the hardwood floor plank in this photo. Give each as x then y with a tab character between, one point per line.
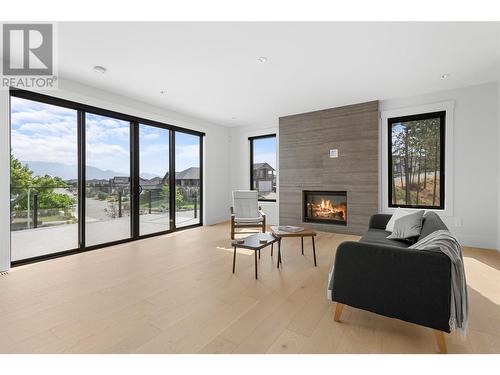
288	342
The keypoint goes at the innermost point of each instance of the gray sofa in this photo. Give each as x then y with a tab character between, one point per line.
385	277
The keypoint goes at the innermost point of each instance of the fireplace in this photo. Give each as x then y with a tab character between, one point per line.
329	207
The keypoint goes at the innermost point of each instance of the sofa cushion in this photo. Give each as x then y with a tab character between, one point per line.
379	236
398	213
407	227
432	222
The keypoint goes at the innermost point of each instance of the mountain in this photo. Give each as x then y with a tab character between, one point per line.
69	172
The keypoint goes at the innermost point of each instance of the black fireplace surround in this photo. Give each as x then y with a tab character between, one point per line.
327	207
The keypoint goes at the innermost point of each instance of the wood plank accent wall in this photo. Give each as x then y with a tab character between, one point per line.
305	141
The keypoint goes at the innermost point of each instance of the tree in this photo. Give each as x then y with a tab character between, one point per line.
20	175
22	180
415	156
179	198
44	186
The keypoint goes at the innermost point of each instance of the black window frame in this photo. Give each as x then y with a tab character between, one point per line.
442	143
134	121
251	140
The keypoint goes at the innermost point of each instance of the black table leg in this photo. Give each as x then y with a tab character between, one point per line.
272	249
259	254
279	252
234	258
314	252
256	265
302	243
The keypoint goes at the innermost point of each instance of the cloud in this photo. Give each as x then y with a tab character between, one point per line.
60	149
42	132
26	111
105	129
151	136
154	149
52	128
108	156
187	156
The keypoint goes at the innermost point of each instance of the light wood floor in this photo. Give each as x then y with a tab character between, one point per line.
176	294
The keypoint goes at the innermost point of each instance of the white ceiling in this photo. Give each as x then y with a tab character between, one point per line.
210	70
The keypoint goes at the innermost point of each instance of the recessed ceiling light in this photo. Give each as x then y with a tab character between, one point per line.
99	69
262	59
446	75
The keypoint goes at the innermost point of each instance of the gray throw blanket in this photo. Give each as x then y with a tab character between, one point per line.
442	240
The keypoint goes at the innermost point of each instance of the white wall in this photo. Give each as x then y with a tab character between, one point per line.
240	163
498	160
476	162
216	147
4	181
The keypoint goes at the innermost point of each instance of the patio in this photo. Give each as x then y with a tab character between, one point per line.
35	242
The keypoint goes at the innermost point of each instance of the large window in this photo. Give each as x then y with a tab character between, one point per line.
187	179
263	166
84	177
416	160
154	191
107	179
44	179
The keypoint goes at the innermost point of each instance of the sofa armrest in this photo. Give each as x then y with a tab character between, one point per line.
408	284
379	221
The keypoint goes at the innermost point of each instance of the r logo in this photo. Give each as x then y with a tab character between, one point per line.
27	49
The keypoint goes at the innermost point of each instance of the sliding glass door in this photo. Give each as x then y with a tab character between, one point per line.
84	177
44	179
187	179
107	180
154	186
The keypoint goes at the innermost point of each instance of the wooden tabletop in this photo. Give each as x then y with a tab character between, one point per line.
282	233
253	242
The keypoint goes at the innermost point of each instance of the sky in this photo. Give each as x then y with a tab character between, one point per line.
43	132
264	151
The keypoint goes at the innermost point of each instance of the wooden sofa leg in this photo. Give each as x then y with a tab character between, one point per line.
338	311
440	341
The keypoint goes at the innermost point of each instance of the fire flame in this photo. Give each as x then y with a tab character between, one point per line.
328	209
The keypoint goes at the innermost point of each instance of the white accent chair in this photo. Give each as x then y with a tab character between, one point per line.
246	212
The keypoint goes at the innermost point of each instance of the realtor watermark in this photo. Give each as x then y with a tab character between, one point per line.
28	56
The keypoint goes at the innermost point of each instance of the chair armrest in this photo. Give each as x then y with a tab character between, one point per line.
262	213
379	221
408	284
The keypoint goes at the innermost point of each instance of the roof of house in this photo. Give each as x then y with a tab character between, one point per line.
192	173
120	179
155	181
262	165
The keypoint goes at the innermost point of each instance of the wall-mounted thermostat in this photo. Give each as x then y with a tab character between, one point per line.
334	153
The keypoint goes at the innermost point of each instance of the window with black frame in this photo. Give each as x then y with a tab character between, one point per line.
263	166
84	177
416	161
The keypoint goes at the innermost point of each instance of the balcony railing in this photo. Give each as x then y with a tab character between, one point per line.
45	206
42	206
